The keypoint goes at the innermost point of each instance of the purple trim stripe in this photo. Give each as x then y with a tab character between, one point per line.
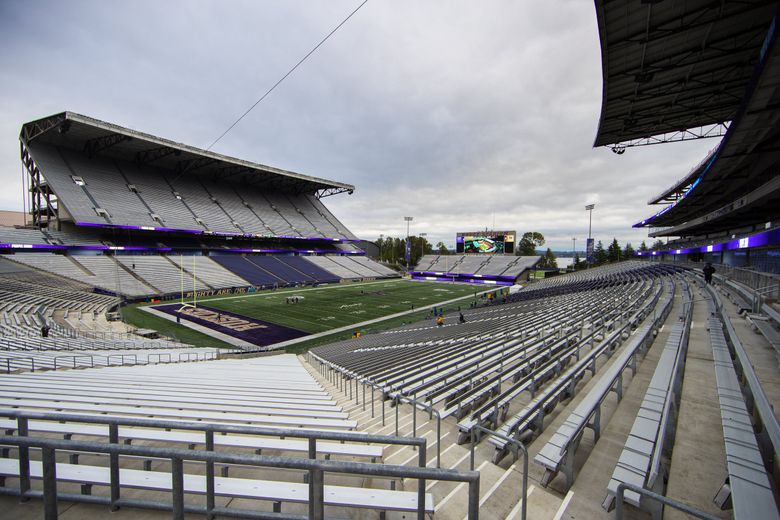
455	279
762	239
214	233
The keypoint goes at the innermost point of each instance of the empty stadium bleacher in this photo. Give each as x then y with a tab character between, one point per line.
242	405
108	184
495	268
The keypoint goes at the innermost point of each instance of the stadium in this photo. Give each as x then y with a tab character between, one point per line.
189	334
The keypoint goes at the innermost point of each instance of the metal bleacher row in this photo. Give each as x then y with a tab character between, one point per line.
143	275
217	416
494	265
544	341
78	334
131	194
475	369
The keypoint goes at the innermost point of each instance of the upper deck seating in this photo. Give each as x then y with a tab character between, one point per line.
115	192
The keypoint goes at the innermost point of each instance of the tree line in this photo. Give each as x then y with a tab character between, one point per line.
392	250
614	253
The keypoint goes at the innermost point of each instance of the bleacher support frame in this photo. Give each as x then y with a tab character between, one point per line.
685	508
315	467
517	446
769	437
316	471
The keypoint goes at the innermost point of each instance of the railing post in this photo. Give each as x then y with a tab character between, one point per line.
24	460
177	488
210	503
473	442
49	484
474	499
414	416
113	438
397	403
421	461
316	494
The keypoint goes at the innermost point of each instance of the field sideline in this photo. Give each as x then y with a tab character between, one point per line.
334	306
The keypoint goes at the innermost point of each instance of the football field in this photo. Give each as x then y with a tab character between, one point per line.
329	307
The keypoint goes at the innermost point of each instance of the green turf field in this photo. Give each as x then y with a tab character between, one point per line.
334	306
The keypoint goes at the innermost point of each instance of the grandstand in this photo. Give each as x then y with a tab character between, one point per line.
631	390
486	269
98	187
119	216
725	209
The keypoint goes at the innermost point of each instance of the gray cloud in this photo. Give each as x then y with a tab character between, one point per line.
458	113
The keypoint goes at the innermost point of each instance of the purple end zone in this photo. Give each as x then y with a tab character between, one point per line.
260	333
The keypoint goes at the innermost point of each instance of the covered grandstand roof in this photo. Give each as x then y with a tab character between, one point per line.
676	70
737	183
93	136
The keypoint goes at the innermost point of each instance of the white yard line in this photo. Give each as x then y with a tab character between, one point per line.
467	455
564	505
498	483
517	507
457	488
445	451
402	449
326	332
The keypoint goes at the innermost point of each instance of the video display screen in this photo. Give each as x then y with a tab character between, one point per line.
486	243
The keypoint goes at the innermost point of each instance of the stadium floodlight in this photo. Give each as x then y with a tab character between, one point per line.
589	208
408	252
422	243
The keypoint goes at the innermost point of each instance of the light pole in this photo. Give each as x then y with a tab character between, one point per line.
381	243
589	209
589	247
408	252
422	244
573	252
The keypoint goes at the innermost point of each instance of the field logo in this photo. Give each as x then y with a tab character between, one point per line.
230	322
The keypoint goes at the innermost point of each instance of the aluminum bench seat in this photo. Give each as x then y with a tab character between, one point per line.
276	491
173	401
747	488
174	387
639	461
181	404
558	453
193	438
254	418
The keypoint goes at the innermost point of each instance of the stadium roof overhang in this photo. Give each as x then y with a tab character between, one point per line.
94	137
675	71
737	182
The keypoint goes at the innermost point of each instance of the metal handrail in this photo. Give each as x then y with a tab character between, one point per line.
679	364
660	498
316	468
399	398
88	356
760	400
330	435
519	446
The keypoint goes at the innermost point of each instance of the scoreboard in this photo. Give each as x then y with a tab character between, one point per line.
486	242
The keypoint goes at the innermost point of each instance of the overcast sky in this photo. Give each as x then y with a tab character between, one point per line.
462	114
